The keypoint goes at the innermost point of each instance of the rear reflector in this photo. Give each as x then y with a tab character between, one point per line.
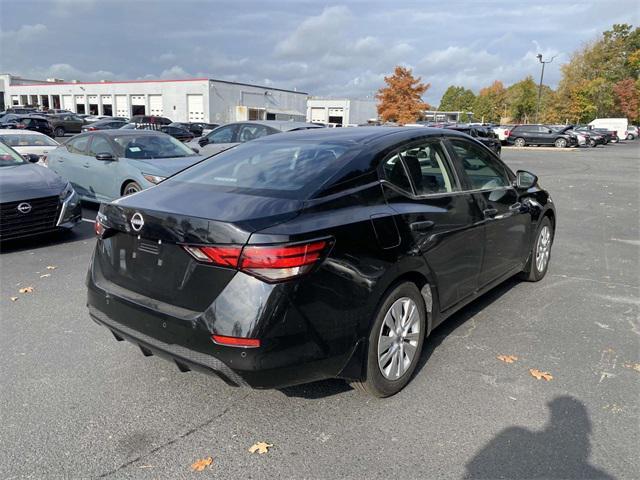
236	341
272	263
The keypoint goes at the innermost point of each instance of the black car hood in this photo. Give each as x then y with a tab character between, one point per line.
21	182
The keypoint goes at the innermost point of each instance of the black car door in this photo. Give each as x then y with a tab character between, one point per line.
507	221
435	217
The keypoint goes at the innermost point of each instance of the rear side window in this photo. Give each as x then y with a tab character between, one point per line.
280	169
481	169
395	172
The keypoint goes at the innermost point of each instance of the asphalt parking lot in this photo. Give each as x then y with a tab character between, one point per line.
75	403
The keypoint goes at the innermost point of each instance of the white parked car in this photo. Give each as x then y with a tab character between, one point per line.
502	132
632	132
28	142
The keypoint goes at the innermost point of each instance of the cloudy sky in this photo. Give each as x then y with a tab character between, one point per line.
323	48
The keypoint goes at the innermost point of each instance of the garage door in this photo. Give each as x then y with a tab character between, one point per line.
106	100
155	105
122	106
67	102
195	107
318	114
80	106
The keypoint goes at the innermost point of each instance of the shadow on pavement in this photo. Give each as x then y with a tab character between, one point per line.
561	450
83	231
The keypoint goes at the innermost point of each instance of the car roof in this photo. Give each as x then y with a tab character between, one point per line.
119	132
360	135
12	131
282	125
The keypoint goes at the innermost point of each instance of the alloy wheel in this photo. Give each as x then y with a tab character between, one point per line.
131	189
543	249
398	338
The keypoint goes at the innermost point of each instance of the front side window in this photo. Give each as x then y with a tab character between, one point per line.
78	145
223	134
100	145
251	132
480	167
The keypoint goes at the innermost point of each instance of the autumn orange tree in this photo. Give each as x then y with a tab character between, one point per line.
401	100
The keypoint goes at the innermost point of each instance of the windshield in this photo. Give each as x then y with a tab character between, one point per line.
287	169
9	157
145	147
27	140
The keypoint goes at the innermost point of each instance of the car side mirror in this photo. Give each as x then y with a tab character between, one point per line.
195	150
203	141
31	157
550	131
525	180
105	157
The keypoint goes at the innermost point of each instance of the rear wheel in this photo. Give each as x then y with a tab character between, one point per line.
395	342
540	253
519	142
630	136
131	188
59	132
560	143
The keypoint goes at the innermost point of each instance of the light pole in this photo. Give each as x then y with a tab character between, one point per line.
539	57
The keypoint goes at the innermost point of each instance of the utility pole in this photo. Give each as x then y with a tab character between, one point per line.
539	57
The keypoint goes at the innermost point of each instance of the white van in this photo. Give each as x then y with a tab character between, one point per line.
618	125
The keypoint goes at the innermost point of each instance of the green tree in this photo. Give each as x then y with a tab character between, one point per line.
491	102
457	99
522	98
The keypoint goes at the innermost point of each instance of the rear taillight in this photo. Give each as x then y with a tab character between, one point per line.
21	126
506	133
272	263
99	227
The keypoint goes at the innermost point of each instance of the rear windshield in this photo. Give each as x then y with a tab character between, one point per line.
280	169
145	147
27	140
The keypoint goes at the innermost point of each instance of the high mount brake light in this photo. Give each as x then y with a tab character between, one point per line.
272	263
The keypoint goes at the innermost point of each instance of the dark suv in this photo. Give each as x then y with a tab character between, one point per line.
66	123
27	122
522	135
484	135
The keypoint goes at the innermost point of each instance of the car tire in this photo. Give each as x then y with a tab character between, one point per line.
630	136
592	143
540	254
560	143
387	370
520	142
130	188
59	132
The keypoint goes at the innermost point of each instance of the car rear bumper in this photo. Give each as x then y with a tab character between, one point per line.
186	340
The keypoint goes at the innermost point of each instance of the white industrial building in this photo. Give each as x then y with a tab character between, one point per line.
190	100
341	112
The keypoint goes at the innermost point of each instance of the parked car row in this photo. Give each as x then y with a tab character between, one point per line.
560	136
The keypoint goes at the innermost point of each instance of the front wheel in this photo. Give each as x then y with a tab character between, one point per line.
561	143
395	342
540	253
131	188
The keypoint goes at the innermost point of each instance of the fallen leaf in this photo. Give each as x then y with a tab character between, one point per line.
45	275
26	290
201	464
51	267
540	375
260	447
145	466
633	366
507	358
13	299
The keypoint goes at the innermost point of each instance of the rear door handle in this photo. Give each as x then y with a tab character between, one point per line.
490	212
86	165
421	226
515	207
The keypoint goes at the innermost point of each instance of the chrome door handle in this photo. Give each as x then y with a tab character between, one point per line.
86	165
421	226
515	206
490	212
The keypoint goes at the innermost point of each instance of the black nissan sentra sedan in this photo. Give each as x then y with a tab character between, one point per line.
316	254
33	199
